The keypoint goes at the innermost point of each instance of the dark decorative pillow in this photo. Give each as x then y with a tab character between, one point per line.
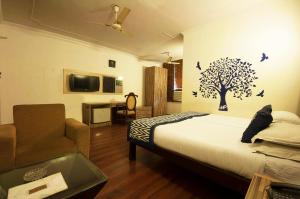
261	120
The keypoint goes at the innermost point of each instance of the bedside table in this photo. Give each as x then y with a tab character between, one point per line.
143	112
258	185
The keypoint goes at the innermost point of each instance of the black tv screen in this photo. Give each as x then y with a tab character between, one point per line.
84	83
109	84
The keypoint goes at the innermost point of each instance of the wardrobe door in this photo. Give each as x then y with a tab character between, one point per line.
149	86
1	88
160	92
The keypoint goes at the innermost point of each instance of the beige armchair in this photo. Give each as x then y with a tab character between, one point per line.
40	132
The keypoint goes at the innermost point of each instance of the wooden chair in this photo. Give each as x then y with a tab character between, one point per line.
130	110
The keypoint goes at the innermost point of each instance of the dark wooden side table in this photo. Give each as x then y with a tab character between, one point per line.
143	112
84	179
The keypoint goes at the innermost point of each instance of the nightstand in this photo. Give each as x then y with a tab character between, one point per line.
258	185
143	112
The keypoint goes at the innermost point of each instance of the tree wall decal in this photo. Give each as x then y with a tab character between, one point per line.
225	75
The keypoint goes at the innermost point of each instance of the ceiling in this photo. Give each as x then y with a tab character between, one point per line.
154	25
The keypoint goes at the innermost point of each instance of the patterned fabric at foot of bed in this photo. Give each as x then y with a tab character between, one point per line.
141	131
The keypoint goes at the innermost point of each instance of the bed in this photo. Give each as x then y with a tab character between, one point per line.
211	146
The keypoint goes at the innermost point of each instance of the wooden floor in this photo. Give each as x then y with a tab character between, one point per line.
150	176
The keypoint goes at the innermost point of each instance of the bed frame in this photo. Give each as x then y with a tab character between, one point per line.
219	176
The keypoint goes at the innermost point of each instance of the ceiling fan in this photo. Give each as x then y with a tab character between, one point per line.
169	59
119	18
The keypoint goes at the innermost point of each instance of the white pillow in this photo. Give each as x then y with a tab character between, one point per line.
285	116
281	133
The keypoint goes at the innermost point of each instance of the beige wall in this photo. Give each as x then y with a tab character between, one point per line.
272	27
32	63
173	107
299	107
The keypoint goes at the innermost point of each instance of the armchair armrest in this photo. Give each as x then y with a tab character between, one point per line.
80	134
7	146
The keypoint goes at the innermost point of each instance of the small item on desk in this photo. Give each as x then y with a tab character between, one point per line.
36	189
35	174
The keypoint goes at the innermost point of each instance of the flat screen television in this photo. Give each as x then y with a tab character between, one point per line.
109	84
84	83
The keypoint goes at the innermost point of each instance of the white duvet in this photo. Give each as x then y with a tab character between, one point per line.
215	139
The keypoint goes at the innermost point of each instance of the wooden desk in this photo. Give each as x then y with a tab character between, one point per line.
88	108
258	185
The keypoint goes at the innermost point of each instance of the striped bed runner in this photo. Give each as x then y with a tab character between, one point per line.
141	131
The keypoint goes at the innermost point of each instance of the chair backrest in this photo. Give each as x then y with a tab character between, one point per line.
131	101
39	122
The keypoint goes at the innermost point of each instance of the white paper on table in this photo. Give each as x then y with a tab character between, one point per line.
55	183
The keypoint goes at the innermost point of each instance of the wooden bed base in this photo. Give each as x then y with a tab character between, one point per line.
219	176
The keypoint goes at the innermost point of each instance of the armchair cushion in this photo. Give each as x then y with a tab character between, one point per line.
37	123
7	146
80	134
28	154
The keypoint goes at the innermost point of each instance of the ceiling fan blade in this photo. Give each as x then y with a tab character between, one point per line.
166	53
98	23
169	60
2	37
122	16
111	17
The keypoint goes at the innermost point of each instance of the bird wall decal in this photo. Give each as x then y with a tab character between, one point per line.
195	93
198	65
261	93
264	57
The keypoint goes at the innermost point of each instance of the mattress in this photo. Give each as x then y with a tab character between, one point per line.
215	140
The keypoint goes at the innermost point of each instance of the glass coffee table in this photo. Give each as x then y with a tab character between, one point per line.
83	178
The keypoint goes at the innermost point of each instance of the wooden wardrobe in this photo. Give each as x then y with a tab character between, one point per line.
156	90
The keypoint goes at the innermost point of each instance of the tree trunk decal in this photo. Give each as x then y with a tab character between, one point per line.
227	75
223	105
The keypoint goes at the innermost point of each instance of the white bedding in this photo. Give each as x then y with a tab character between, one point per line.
215	139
